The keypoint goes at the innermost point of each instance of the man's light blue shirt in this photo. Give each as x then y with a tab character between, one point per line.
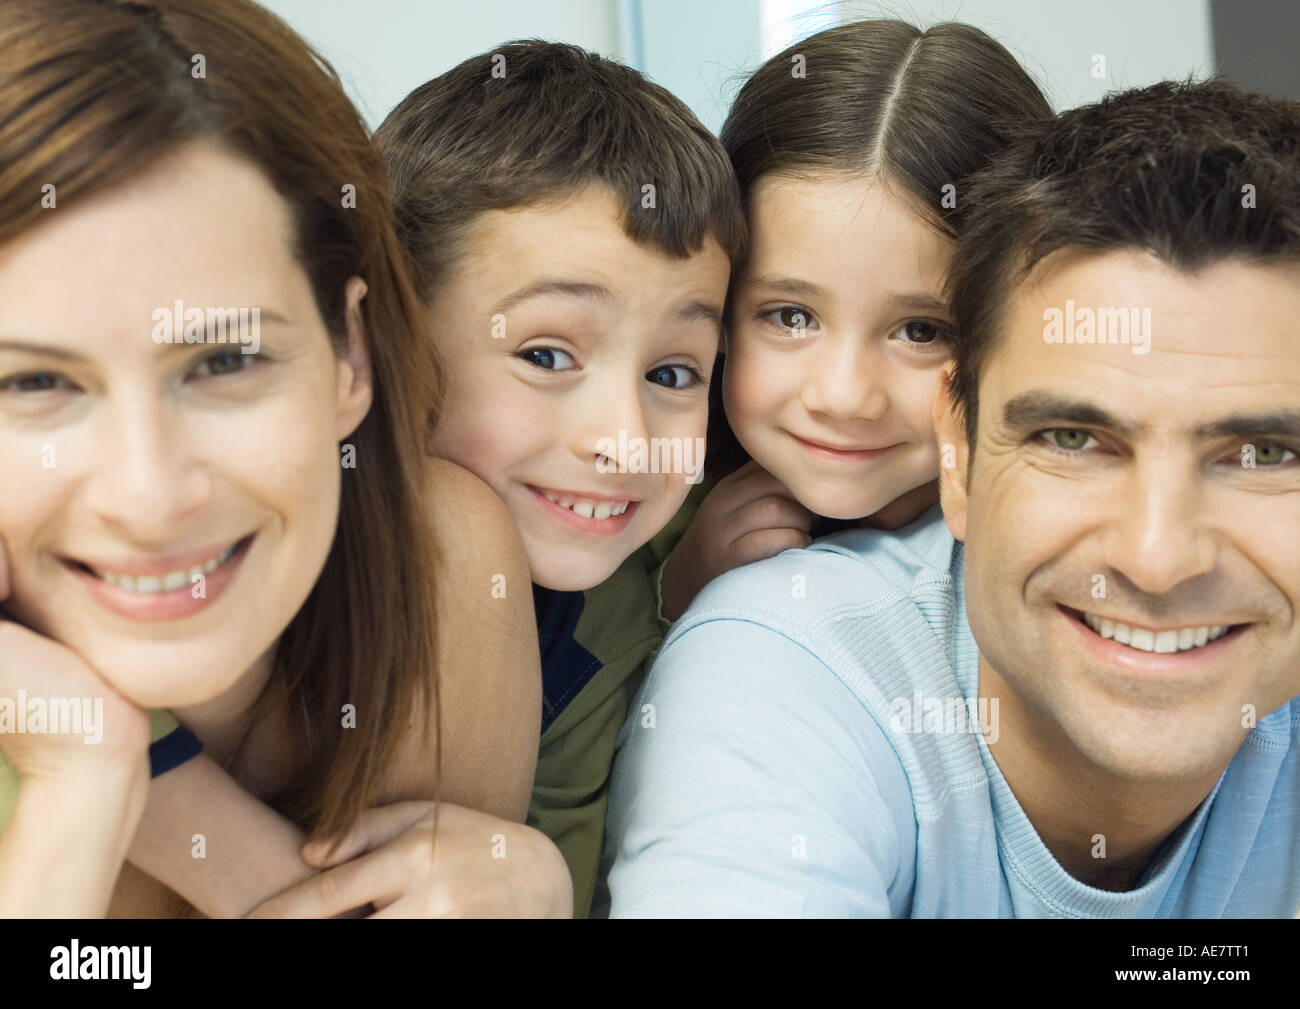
781	759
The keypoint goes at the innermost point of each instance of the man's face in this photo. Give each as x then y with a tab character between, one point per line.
578	365
1156	490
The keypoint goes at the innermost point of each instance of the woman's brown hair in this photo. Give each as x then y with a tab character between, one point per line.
921	110
92	93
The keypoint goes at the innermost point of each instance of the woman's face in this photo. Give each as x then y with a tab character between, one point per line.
169	496
837	334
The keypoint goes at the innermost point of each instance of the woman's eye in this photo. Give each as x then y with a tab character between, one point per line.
35	383
792	318
675	376
548	358
228	362
1069	439
922	332
1265	453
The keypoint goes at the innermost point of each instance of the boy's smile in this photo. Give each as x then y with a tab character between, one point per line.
569	346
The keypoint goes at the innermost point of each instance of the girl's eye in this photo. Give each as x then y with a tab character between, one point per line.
35	383
1265	453
922	332
1069	439
790	318
675	376
548	358
228	362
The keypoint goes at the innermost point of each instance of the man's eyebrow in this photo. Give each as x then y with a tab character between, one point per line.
790	286
1276	424
1031	410
550	288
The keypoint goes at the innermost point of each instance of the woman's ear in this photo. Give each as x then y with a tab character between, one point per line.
355	378
950	432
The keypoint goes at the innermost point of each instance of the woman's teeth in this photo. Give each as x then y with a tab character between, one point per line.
148	585
586	507
1182	640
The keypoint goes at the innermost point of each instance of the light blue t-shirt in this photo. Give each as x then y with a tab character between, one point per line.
767	768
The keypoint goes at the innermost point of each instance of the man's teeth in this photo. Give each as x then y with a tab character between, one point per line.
1182	640
148	585
586	507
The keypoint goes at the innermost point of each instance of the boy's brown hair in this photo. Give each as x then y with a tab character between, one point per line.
1163	168
536	120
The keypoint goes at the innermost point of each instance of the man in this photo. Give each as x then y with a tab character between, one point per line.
1075	694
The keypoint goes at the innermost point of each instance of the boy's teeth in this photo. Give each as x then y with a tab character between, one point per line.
586	507
148	585
1181	640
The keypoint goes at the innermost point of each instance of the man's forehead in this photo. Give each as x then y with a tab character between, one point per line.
1124	327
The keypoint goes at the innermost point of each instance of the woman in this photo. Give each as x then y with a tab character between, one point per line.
244	535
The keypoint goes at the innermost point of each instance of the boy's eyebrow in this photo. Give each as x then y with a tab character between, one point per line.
791	286
567	288
695	310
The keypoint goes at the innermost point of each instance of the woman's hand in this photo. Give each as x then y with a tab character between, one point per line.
475	866
81	794
747	517
114	732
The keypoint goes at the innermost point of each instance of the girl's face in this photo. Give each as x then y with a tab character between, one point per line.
168	506
837	334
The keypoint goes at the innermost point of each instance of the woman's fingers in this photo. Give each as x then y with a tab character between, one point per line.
377	877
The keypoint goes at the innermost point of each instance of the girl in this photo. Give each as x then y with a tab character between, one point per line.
851	148
242	535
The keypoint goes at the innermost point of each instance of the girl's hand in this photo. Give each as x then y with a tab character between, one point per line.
747	517
114	732
475	866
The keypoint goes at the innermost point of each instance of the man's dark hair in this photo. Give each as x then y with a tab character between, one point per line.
1191	172
535	120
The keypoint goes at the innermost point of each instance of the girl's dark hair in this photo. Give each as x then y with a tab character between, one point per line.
92	94
921	110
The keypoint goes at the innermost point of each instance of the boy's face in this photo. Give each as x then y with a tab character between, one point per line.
577	366
1132	564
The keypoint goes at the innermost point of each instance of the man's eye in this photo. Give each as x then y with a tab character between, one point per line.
1266	453
922	332
228	362
1068	439
791	318
548	358
675	376
36	382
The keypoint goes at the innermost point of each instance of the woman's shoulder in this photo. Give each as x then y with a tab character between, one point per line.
472	526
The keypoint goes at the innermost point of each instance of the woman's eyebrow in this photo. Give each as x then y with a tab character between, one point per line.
43	349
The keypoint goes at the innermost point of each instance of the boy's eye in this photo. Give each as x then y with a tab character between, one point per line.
227	362
36	382
548	358
675	376
791	318
1068	439
922	332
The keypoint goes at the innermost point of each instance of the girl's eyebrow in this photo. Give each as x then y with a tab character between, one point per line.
791	286
920	303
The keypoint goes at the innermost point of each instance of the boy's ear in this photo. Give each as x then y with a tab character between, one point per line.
355	377
950	431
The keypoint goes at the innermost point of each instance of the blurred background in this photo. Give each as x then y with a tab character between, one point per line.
701	50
